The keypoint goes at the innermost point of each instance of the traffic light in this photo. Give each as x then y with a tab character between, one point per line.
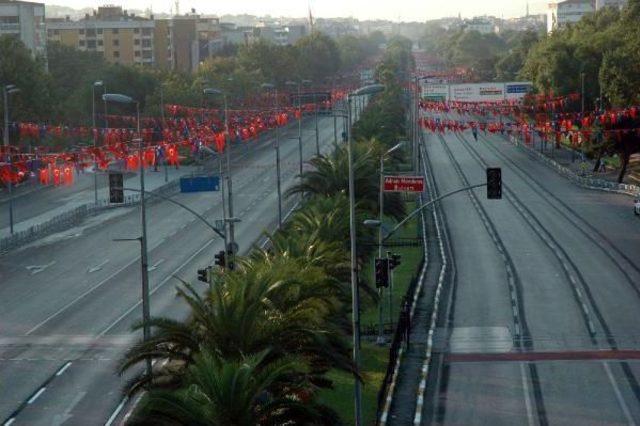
494	183
204	275
220	259
116	190
394	261
382	272
230	263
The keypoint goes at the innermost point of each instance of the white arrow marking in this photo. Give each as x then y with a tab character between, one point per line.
97	267
155	266
34	269
59	419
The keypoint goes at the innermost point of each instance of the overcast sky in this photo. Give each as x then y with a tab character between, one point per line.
398	10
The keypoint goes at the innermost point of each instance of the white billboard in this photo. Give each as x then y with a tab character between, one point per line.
476	92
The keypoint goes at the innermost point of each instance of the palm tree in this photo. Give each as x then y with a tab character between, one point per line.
330	176
248	391
319	232
282	304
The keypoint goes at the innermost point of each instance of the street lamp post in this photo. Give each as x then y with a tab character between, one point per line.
299	85
315	114
227	148
8	89
221	173
95	138
269	86
144	261
166	166
355	298
381	338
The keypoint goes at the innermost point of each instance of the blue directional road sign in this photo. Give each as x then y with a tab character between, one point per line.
200	183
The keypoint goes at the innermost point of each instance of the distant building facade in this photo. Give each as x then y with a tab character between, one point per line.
179	43
25	21
614	3
120	38
567	12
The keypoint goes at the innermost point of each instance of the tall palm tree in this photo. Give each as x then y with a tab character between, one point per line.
330	176
248	391
283	305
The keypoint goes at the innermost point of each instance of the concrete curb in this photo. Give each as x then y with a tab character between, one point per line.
396	370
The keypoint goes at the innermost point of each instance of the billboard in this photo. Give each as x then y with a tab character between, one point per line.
476	92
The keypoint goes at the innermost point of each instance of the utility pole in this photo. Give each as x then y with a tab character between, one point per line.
7	90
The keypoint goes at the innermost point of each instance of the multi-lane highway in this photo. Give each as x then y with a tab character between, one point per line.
68	302
545	293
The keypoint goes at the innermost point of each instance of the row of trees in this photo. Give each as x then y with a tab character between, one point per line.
261	339
63	94
485	57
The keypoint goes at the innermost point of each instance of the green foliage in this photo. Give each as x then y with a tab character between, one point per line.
19	68
318	57
63	95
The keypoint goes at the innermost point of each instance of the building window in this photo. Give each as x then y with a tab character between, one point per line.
81	43
99	30
136	42
99	42
116	54
114	30
56	32
116	42
91	44
146	54
81	31
91	32
49	33
146	43
136	30
136	53
146	31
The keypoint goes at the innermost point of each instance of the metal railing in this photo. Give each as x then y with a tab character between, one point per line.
71	218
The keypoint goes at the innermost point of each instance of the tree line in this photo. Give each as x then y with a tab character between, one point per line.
63	93
260	340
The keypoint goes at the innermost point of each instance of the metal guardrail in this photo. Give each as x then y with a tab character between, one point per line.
71	218
585	181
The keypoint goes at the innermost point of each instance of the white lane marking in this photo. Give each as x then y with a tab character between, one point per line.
35	269
64	368
37	395
155	265
74	301
97	267
116	412
9	422
156	288
59	419
618	394
527	395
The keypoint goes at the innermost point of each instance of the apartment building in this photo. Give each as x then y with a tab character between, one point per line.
120	37
613	3
567	12
24	20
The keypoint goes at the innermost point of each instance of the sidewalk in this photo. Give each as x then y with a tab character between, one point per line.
577	168
583	166
81	195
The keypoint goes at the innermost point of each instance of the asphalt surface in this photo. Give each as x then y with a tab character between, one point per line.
550	269
68	302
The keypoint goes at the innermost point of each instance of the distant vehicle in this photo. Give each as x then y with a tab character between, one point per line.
636	207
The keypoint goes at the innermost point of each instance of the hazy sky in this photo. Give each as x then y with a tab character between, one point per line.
405	10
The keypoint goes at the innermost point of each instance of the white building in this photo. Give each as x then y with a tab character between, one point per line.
481	25
24	20
567	12
614	3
